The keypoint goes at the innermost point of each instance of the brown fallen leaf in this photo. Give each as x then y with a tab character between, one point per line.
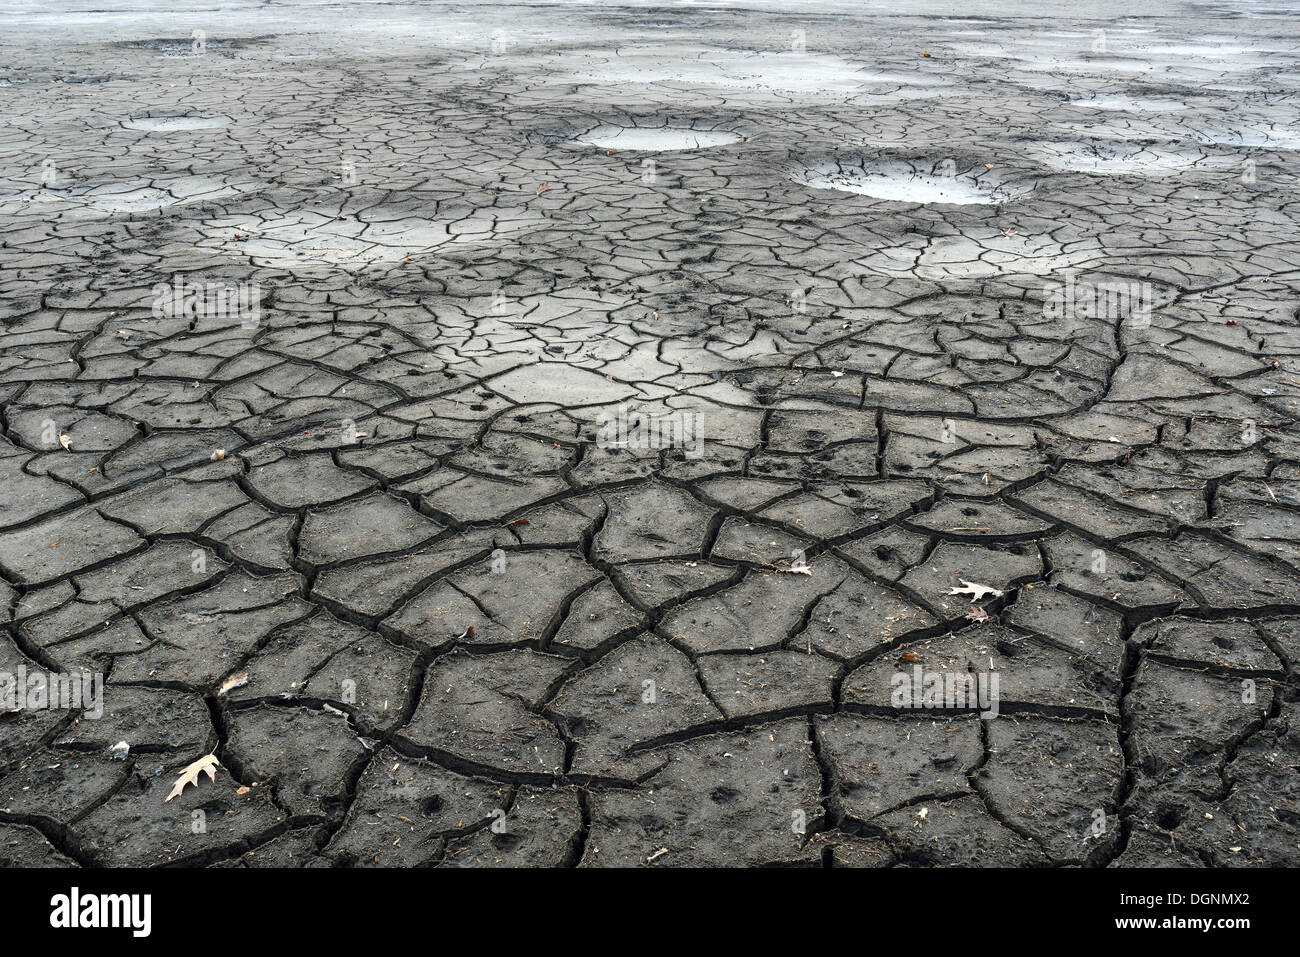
977	614
233	682
541	188
207	764
65	441
909	656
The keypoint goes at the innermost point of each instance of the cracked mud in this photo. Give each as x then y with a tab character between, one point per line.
386	530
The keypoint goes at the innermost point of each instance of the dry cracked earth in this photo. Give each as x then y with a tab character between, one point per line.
361	533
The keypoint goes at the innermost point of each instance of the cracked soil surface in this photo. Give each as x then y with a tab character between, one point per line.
424	615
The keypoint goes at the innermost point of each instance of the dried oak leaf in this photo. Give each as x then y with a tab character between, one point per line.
207	764
975	590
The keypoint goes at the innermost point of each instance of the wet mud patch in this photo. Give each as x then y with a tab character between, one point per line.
383	234
657	131
95	198
184	46
97	78
895	85
1112	158
691	67
1271	137
1120	102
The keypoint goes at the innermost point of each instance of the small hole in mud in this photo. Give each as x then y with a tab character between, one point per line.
431	806
1168	819
724	795
506	842
579	727
884	553
970	512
